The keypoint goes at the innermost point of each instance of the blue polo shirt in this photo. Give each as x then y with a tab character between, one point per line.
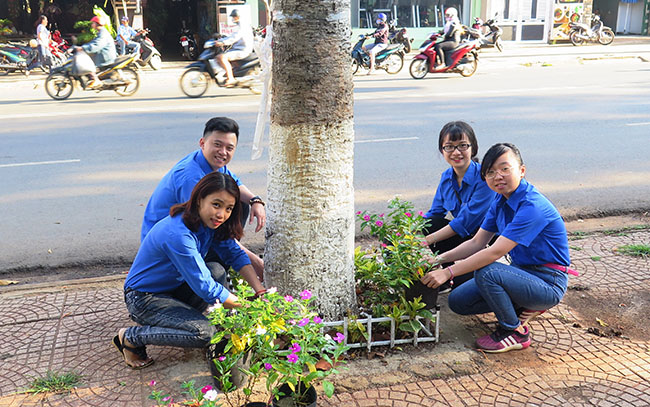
468	202
172	254
176	187
529	219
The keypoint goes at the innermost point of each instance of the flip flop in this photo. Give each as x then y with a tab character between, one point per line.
141	352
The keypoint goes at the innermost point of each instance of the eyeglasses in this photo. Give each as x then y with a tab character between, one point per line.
448	148
505	171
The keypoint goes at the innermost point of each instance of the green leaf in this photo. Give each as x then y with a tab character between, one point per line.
328	388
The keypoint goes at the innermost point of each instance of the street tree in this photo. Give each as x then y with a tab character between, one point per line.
310	229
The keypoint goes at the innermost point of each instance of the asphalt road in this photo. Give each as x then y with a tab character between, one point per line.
75	175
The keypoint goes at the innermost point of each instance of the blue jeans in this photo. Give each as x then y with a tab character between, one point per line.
168	319
502	289
131	44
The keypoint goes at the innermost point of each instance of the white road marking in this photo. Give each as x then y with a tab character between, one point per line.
381	140
638	124
39	163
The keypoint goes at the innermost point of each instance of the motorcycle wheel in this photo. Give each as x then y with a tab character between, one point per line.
155	62
394	63
132	78
606	36
575	38
499	44
194	82
419	68
255	86
59	86
469	68
355	66
407	45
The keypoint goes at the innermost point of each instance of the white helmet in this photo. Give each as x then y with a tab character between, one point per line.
451	12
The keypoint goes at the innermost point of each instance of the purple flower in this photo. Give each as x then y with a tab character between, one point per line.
318	320
379	223
421	213
408	214
381	215
339	337
358	212
292	357
366	217
305	295
303	322
268	366
222	358
295	348
288	298
152	383
398	234
168	398
206	389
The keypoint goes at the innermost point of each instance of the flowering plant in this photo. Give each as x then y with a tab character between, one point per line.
282	338
206	397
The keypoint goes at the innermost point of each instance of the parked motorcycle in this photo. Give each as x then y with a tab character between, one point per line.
464	59
148	52
390	59
581	32
398	36
19	57
121	76
188	43
194	81
490	33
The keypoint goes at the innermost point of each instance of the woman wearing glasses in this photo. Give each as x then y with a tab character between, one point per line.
532	232
461	192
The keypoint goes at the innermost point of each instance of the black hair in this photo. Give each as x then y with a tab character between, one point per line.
494	153
455	131
222	124
211	183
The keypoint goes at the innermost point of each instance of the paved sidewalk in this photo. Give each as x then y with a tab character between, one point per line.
69	327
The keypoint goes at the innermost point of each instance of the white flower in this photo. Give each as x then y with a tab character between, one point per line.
260	330
211	395
214	307
272	290
328	337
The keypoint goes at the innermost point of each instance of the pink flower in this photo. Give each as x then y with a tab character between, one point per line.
305	295
381	215
318	320
408	214
303	322
339	337
379	223
292	357
206	389
222	358
384	245
398	234
421	213
152	383
292	322
358	212
168	398
295	348
268	366
366	217
288	298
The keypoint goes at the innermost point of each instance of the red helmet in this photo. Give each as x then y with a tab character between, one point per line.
97	20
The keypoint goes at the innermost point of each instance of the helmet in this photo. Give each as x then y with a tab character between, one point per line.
125	18
97	20
452	12
234	13
381	16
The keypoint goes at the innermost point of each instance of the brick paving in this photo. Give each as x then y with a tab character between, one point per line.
63	329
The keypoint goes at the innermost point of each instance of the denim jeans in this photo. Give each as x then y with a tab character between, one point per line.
122	46
168	319
503	288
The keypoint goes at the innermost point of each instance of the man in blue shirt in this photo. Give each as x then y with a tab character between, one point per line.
124	35
217	147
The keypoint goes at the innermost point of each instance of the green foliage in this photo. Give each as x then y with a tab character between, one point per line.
54	382
87	32
635	250
595	258
206	397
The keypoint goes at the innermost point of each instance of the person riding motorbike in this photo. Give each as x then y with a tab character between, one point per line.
452	31
381	40
125	34
102	49
241	41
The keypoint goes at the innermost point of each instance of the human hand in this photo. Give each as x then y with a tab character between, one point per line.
257	211
435	278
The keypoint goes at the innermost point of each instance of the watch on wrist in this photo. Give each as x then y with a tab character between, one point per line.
256	199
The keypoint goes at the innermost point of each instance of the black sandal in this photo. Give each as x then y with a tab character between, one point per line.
141	352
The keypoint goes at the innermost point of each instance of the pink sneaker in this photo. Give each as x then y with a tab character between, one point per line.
503	340
527	315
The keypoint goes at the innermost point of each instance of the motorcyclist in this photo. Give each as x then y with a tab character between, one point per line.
452	31
125	34
241	41
381	40
102	49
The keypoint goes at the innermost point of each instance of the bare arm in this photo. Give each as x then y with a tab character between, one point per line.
248	272
257	210
232	302
440	235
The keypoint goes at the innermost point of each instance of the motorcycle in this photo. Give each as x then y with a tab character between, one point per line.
390	59
19	57
464	59
490	33
148	52
398	36
194	81
188	43
121	76
581	32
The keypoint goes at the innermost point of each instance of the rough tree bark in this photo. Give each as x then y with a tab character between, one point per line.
310	229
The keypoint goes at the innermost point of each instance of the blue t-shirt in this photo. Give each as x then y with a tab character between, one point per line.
468	202
172	254
176	187
125	31
529	219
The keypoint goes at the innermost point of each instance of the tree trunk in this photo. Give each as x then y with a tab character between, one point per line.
310	229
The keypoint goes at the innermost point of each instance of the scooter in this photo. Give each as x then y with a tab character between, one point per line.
188	43
194	81
390	59
398	36
581	32
121	76
462	59
148	52
490	33
19	57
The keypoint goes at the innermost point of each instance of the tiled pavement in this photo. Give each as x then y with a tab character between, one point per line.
64	328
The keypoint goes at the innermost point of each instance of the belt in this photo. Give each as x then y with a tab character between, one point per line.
566	269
